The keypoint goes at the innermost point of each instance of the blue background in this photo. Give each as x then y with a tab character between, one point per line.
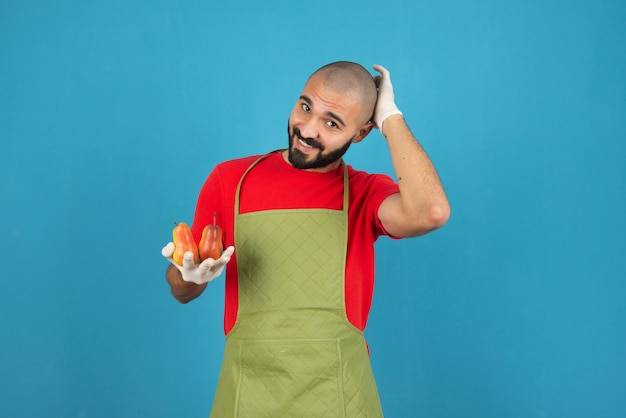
112	113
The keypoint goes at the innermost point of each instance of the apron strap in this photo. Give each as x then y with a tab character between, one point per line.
346	182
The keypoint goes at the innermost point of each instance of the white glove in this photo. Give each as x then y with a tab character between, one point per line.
201	273
385	105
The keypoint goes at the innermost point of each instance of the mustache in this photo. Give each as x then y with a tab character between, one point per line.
309	141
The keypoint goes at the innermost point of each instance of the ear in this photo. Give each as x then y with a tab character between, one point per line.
364	130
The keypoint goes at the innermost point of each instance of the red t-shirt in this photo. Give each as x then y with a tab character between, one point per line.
274	184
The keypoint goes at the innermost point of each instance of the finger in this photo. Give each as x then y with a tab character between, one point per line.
226	255
168	250
380	69
210	269
210	263
224	258
206	266
188	259
229	251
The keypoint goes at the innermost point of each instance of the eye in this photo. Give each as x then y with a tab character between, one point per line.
332	124
306	107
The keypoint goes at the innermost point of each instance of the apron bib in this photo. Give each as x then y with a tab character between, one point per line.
292	352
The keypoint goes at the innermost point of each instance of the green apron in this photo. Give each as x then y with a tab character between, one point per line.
292	352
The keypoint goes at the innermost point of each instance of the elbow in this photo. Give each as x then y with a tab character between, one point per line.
412	219
439	215
429	220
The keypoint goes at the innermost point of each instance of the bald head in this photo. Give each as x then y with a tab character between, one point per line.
353	80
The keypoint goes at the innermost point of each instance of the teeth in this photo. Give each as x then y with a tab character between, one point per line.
305	144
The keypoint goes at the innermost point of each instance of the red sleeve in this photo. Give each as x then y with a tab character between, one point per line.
385	187
368	191
207	204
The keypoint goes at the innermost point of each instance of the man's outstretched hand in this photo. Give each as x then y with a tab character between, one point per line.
204	272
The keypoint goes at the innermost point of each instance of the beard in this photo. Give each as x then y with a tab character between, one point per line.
301	161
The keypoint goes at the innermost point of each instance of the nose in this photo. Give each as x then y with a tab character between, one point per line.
308	129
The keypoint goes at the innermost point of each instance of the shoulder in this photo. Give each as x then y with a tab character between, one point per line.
363	179
237	164
226	174
368	191
232	169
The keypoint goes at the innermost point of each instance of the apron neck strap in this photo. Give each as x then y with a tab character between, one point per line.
346	182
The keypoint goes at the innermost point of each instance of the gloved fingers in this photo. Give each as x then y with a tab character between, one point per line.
168	250
210	263
382	70
210	269
188	260
229	252
385	104
207	264
225	258
383	81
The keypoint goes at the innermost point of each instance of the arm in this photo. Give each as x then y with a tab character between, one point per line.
422	205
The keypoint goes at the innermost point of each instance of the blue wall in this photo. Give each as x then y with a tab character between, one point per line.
113	113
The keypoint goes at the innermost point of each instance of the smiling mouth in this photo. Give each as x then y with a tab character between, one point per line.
308	143
304	143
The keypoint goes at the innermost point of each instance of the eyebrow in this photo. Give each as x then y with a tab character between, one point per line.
328	113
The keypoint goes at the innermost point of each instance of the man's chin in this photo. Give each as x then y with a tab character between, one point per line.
298	159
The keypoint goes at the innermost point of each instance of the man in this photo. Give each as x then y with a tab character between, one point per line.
299	289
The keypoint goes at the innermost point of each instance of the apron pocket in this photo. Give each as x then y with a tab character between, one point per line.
290	378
